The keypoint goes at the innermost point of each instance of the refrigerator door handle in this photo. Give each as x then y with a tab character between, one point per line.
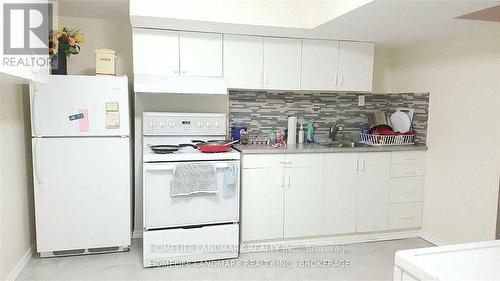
36	167
33	111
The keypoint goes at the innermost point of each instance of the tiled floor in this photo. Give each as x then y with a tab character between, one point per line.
368	261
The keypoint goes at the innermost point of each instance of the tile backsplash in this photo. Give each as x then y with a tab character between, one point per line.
263	110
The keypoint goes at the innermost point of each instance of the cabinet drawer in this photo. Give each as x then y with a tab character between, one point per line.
408	157
405	215
407	170
263	161
407	189
304	160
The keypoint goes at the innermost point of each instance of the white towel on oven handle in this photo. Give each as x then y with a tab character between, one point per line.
191	178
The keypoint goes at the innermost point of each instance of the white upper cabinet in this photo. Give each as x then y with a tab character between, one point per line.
243	58
282	63
320	60
355	68
148	59
200	54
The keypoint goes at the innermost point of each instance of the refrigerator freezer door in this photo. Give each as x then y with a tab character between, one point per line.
82	193
80	106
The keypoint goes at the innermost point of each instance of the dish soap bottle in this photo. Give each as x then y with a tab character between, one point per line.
310	133
301	133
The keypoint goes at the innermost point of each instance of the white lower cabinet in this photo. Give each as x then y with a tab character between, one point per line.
302	195
373	191
261	203
303	200
339	194
281	196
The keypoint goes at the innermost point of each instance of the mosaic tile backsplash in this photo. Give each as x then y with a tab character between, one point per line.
261	111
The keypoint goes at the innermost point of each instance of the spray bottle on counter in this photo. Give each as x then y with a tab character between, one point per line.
310	133
301	133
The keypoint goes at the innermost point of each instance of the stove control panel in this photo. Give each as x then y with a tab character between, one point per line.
168	124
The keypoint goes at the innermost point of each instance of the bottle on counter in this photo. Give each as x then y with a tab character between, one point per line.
301	133
310	133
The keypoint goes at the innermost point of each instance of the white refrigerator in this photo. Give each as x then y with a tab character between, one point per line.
81	164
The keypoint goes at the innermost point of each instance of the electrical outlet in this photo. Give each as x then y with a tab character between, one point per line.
361	100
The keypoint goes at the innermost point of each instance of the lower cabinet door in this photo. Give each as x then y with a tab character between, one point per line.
373	191
262	203
339	203
303	201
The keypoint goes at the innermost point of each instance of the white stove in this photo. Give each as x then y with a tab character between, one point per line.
205	224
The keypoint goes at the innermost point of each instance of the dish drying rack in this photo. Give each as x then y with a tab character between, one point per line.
380	140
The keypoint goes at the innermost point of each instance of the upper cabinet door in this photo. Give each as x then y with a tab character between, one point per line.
156	51
243	56
201	54
320	60
282	63
356	66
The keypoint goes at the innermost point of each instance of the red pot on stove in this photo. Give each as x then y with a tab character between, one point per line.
211	146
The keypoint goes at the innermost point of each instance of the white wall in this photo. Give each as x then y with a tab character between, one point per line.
100	34
463	161
16	189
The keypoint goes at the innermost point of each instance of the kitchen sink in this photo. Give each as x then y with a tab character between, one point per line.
342	144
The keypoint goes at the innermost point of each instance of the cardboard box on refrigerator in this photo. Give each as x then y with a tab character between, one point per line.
105	62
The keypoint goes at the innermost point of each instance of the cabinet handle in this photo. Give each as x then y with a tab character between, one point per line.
336	79
183	72
283	181
341	79
362	165
261	79
267	78
175	71
288	182
355	164
406	217
410	159
408	191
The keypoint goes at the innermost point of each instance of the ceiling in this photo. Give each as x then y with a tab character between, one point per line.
386	22
490	14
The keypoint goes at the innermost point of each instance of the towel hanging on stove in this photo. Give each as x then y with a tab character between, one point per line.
190	178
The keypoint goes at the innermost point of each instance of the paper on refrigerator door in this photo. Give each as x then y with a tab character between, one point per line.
83	123
112	115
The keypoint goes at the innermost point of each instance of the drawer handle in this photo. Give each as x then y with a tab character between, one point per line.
410	159
286	162
408	190
406	217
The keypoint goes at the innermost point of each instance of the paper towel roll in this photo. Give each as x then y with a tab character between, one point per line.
292	130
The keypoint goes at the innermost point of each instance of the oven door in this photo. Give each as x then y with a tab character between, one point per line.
161	210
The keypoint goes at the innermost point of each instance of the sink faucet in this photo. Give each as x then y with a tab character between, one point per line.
334	129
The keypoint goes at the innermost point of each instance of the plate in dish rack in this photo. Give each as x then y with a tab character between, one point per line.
400	122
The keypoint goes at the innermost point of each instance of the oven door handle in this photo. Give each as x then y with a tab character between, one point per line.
221	165
172	167
159	168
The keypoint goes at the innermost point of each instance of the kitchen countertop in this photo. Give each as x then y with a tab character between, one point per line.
471	261
317	148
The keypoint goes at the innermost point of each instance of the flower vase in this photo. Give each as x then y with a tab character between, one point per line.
59	64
